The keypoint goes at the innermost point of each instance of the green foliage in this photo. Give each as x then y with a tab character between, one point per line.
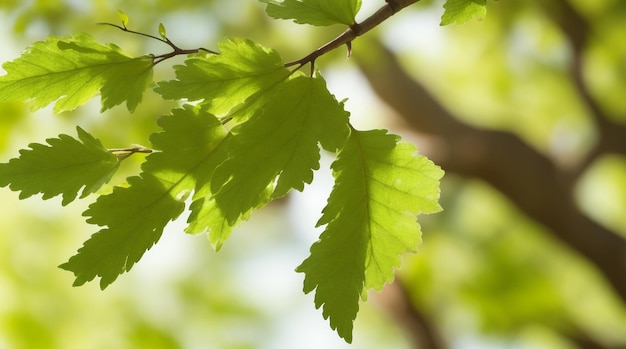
255	133
135	216
273	152
461	11
62	168
370	220
315	12
72	70
222	81
480	258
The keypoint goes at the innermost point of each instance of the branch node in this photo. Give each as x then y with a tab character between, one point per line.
160	58
123	153
393	5
356	29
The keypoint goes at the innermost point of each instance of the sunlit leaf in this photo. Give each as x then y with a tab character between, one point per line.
381	185
223	81
461	11
315	12
134	216
72	70
123	17
272	153
62	167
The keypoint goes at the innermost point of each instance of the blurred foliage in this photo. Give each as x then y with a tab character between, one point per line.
484	268
484	271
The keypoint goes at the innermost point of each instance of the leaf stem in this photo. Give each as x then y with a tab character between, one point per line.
124	29
354	31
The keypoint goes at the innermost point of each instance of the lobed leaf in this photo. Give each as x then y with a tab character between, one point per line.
72	70
461	11
274	151
381	185
135	216
221	82
315	12
61	168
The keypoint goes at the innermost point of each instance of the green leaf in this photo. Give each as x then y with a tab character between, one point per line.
315	12
274	151
123	17
223	81
162	31
72	70
381	185
461	11
62	168
135	216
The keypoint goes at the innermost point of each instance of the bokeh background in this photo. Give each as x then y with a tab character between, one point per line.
525	110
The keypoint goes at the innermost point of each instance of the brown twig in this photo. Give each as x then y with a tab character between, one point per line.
353	32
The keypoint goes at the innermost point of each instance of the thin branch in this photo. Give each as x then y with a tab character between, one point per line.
125	29
160	58
354	31
123	153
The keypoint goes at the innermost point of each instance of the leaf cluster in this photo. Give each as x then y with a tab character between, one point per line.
253	133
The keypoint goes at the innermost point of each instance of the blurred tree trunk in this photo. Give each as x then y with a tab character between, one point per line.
421	332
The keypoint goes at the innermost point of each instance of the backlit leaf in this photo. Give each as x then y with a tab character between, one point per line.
62	167
221	82
315	12
461	11
381	185
72	70
134	217
274	151
123	17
